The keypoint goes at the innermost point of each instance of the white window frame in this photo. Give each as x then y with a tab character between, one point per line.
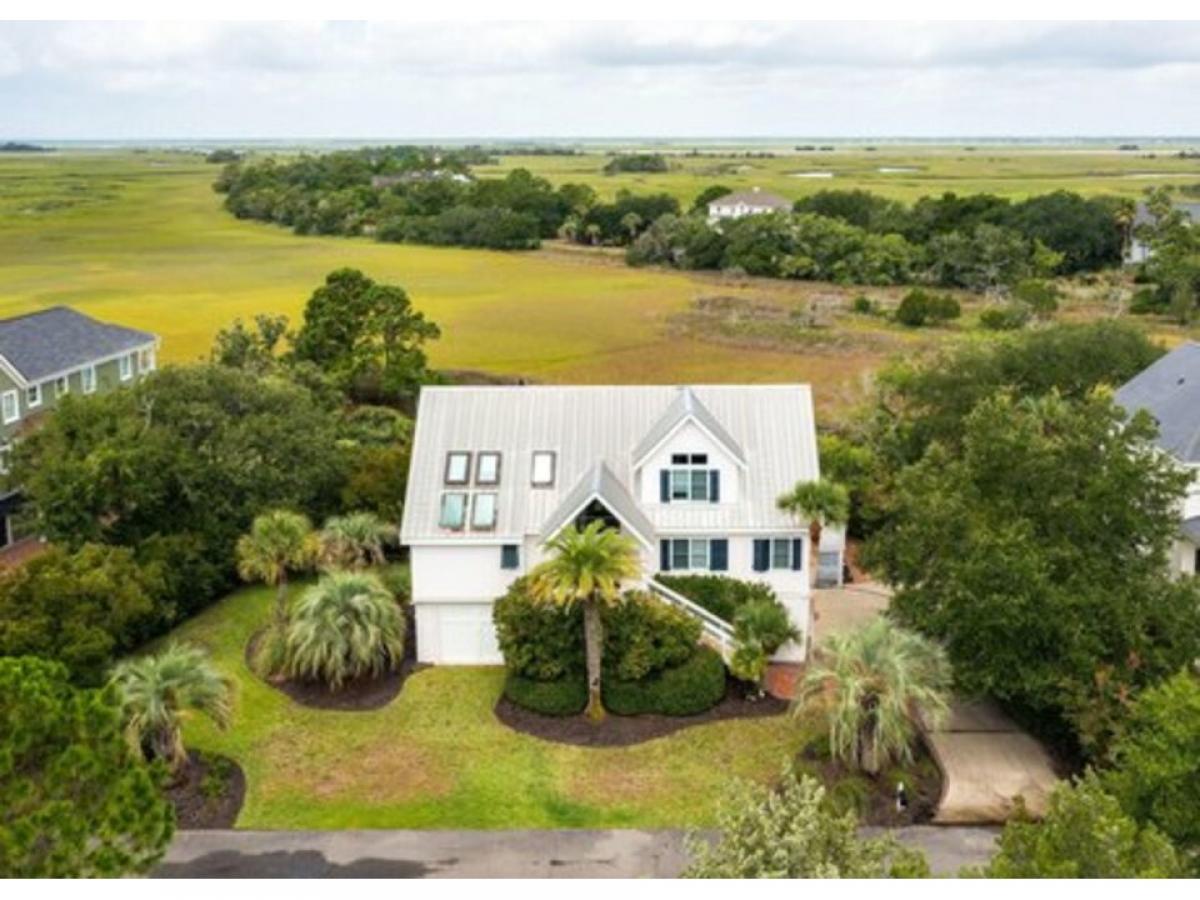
550	459
5	453
686	476
788	546
494	457
62	386
699	555
488	497
452	458
33	396
146	361
125	366
13	397
87	379
462	521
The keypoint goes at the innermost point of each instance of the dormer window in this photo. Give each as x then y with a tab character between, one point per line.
689	478
458	467
543	468
487	468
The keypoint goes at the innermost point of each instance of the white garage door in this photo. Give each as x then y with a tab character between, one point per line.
457	634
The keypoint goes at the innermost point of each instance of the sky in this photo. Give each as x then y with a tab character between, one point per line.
144	80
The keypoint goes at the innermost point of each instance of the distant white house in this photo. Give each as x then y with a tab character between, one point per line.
746	203
1139	251
691	473
1169	390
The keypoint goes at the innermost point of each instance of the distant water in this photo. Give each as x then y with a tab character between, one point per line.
672	143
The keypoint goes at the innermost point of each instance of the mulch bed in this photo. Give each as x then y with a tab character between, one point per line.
360	695
624	731
208	792
922	785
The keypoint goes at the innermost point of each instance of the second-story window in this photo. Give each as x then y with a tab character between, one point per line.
690	478
33	395
458	467
487	468
62	385
11	406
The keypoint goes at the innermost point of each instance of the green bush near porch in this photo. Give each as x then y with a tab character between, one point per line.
719	594
697	685
565	696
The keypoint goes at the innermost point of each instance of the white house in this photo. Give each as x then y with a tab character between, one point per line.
691	473
1138	251
746	203
1169	390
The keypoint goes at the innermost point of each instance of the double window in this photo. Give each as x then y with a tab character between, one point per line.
694	554
778	553
690	478
33	395
11	404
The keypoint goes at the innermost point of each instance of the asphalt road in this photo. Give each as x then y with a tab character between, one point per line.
484	854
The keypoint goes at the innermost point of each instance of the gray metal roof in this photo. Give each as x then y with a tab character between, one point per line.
771	425
753	198
599	483
1143	216
1169	389
686	407
58	339
1191	529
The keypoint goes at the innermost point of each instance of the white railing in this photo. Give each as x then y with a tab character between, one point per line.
715	630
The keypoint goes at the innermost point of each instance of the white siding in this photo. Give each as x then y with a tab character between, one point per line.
690	438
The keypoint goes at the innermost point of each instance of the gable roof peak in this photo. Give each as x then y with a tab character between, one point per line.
685	407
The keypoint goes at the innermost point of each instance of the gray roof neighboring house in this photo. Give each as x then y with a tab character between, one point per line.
1143	216
755	198
1191	529
1169	390
42	344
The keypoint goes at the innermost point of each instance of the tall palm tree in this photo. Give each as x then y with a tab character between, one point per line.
823	503
279	542
353	541
875	685
346	626
587	567
158	692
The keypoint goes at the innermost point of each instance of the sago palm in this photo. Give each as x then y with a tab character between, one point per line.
587	567
353	541
279	542
159	692
822	503
344	627
874	686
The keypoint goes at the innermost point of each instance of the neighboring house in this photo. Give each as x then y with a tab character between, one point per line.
1170	391
46	355
692	474
417	176
1139	251
746	203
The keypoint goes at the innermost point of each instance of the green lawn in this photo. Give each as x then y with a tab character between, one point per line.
436	757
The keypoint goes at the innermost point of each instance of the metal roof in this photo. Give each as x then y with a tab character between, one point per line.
752	198
56	340
1169	389
772	426
599	483
686	407
1191	529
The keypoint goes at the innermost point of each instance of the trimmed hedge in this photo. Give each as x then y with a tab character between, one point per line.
565	696
719	594
685	690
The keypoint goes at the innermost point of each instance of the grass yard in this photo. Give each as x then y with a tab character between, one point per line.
436	757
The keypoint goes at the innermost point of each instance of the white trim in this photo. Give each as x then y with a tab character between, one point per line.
99	361
126	364
29	392
479	540
691	418
87	379
647	542
16	401
11	371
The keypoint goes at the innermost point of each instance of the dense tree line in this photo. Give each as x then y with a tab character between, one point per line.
636	162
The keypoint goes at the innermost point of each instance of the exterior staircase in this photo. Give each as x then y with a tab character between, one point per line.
715	631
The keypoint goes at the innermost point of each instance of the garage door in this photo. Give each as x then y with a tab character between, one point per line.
457	634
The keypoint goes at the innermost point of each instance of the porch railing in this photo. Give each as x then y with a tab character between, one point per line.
714	630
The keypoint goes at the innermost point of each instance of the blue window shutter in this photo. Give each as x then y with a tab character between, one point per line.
664	556
510	556
762	555
714	486
664	485
718	555
797	553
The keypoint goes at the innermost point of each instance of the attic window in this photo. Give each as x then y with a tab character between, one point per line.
543	468
689	459
458	467
487	468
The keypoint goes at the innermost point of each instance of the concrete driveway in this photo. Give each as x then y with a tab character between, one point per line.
485	854
838	610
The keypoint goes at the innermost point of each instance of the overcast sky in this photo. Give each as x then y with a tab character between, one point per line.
243	80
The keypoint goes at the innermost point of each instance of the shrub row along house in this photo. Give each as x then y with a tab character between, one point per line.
692	473
1169	390
47	355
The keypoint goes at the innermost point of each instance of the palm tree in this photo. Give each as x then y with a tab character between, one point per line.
353	541
279	542
587	567
346	626
158	692
823	503
875	685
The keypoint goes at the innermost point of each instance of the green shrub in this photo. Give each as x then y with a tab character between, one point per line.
1147	300
749	662
643	635
539	641
1040	296
1005	318
863	305
764	622
719	594
685	690
566	696
920	308
398	581
942	308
